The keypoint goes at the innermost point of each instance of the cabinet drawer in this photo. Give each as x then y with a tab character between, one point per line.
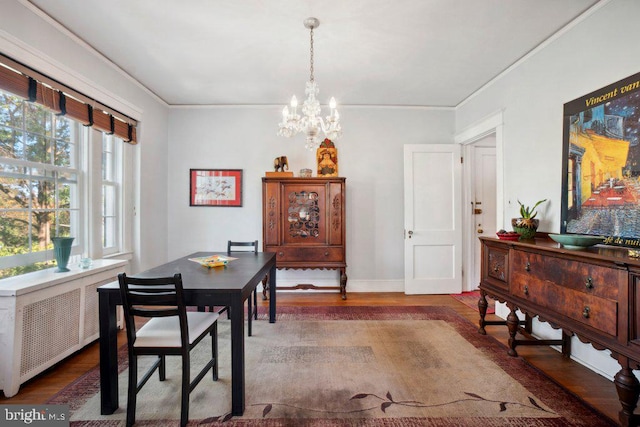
495	267
599	313
308	254
596	280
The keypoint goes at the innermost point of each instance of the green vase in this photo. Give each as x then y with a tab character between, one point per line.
62	250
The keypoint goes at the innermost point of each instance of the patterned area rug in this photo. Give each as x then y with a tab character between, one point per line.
470	299
353	366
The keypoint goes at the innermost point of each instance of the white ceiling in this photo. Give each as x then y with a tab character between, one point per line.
367	52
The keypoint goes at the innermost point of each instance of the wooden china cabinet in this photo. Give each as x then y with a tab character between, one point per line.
304	224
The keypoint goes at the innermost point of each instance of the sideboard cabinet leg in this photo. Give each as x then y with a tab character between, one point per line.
628	389
513	322
482	308
566	344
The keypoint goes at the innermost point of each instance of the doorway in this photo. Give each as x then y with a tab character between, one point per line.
483	183
482	206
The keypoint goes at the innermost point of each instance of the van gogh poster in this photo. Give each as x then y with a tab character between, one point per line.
601	164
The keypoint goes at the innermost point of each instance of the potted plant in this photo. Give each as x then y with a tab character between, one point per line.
527	225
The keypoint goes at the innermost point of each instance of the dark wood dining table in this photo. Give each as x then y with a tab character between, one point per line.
229	286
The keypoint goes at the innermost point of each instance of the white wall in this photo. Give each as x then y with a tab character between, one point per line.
33	39
595	52
369	156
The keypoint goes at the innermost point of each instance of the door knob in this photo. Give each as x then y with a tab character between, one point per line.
410	233
480	231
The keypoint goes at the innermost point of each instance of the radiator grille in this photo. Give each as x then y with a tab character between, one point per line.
91	310
50	327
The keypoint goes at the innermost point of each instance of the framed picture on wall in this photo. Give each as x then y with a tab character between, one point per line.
601	164
215	187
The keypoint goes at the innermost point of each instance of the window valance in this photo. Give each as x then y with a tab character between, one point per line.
30	84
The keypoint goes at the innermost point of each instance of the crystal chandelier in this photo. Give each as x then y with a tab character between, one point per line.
311	123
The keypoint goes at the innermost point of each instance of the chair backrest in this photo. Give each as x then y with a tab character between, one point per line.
231	245
152	297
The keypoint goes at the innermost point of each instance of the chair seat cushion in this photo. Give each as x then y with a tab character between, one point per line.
165	331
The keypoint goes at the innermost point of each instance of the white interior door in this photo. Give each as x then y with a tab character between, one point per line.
483	202
432	219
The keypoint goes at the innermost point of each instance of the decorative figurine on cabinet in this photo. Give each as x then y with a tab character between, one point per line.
280	163
327	156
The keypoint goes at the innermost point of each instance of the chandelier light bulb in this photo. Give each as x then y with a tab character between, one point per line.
311	122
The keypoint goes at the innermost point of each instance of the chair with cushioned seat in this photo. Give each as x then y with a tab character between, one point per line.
169	331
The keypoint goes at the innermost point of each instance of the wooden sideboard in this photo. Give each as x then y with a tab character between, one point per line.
304	224
593	293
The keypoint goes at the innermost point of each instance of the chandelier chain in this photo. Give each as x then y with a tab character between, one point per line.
311	52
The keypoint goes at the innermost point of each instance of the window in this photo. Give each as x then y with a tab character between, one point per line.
45	173
111	192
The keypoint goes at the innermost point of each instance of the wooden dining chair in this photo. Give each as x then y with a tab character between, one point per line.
252	308
169	331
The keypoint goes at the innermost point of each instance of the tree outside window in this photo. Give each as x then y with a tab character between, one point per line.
39	176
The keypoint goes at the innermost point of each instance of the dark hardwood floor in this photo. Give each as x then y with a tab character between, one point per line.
591	387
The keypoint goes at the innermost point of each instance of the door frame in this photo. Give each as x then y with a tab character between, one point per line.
492	124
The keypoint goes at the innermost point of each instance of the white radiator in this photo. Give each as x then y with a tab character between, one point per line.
45	316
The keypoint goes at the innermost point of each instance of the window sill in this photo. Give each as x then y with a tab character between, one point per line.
37	280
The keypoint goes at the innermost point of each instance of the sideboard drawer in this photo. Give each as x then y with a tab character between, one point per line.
596	280
310	254
598	313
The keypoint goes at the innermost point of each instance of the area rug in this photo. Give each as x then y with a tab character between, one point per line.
353	366
470	299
